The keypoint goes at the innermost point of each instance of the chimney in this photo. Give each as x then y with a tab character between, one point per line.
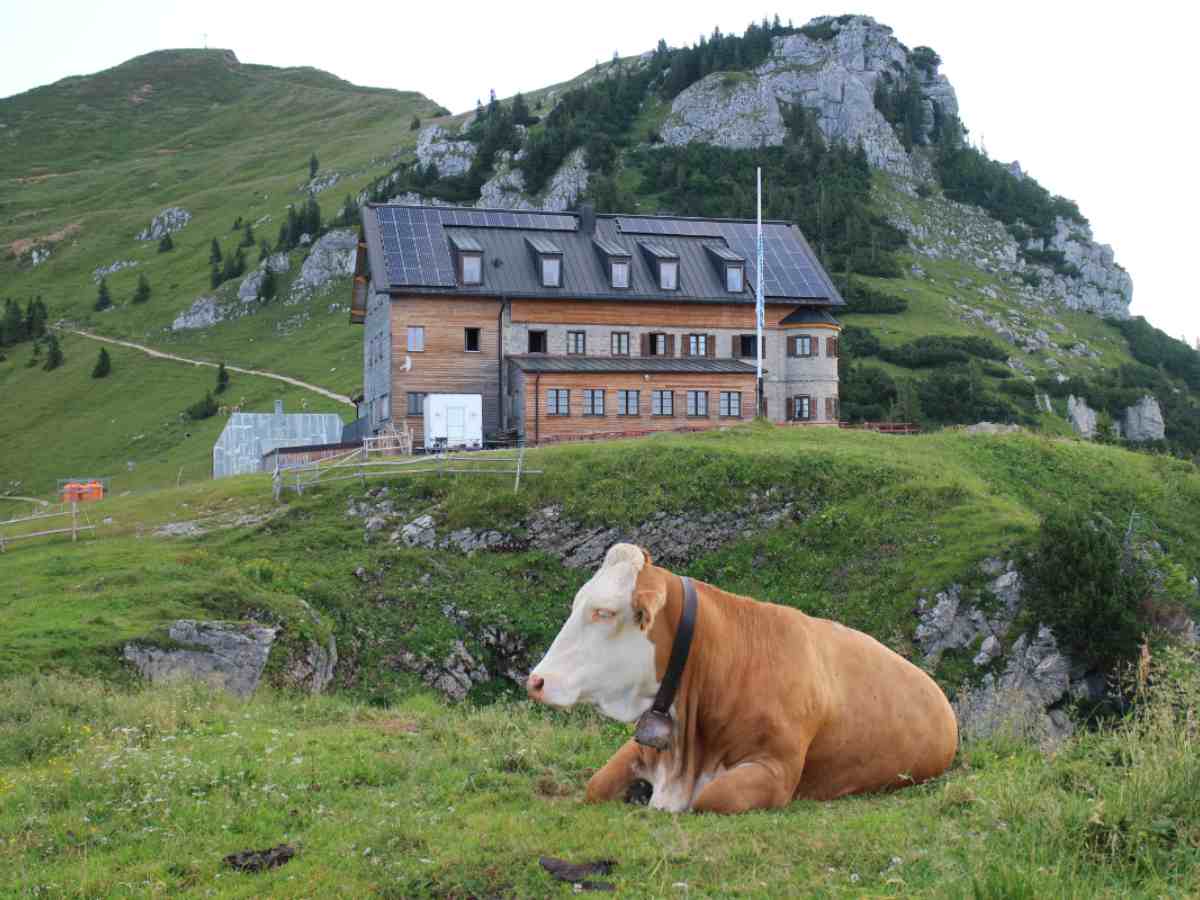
587	218
279	407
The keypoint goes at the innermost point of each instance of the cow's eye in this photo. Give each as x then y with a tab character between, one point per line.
602	615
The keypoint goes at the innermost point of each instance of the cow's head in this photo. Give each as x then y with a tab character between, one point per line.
603	654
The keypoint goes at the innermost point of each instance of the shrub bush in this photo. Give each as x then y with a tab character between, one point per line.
1088	586
933	351
862	298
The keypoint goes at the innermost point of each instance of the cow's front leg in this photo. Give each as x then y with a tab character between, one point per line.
752	785
617	774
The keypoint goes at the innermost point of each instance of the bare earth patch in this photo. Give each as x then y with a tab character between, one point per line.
21	246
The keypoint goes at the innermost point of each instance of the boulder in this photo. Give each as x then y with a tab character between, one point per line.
1144	421
1082	416
250	286
418	533
228	655
203	313
310	668
169	221
332	256
111	268
38	255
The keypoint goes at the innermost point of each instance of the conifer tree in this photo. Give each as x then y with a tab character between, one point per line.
166	245
415	125
203	409
142	294
248	236
36	357
36	318
214	277
12	331
214	254
313	165
264	250
103	365
312	217
520	111
103	299
268	287
54	354
222	378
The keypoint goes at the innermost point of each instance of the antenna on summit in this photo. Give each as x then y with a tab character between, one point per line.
206	40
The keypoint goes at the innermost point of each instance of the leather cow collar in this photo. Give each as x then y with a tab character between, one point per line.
655	726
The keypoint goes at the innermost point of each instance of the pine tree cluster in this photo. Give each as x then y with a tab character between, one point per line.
306	220
16	326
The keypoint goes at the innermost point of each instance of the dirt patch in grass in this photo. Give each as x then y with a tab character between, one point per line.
21	246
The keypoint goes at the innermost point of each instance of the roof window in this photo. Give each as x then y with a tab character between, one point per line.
666	265
731	266
469	258
549	259
617	260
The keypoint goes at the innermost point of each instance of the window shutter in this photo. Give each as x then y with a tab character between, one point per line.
829	408
670	345
712	345
791	346
811	410
814	347
829	347
645	344
685	346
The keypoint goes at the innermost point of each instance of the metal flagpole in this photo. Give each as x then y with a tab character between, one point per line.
759	313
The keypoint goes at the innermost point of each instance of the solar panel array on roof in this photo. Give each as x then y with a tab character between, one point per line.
415	249
788	270
542	245
670	227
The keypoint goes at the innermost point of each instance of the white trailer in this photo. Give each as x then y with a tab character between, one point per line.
453	420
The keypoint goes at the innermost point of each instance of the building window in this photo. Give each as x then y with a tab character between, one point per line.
697	403
831	347
802	408
416	338
668	274
744	346
558	402
470	268
735	279
620	343
802	346
593	402
577	342
385	408
471	340
731	404
551	271
628	403
662	403
619	268
537	342
416	403
656	344
697	344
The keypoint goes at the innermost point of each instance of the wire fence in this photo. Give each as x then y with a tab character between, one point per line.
19	529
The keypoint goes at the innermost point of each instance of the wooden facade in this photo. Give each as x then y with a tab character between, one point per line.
542	427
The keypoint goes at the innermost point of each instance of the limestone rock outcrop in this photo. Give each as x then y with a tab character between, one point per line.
330	257
1081	416
834	76
436	147
228	655
169	221
1144	421
203	313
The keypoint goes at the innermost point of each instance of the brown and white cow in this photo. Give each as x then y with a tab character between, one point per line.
772	704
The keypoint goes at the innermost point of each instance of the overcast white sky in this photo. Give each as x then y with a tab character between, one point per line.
1096	100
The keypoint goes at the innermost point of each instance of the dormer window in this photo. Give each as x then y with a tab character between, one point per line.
548	258
735	279
665	263
617	260
730	265
469	258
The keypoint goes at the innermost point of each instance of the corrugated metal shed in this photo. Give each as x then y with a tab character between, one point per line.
248	436
636	364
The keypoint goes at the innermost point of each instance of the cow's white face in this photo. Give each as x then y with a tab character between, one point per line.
603	654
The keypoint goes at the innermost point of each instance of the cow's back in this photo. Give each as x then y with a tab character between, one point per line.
886	723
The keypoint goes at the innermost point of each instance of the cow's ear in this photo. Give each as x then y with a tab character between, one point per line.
647	561
648	598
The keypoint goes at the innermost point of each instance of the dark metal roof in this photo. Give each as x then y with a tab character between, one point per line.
609	248
635	364
464	242
408	249
542	245
724	253
809	315
658	251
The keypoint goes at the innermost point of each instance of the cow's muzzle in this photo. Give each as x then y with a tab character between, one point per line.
534	685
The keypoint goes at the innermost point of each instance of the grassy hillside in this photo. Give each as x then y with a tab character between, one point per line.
387	790
878	521
88	161
128	427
